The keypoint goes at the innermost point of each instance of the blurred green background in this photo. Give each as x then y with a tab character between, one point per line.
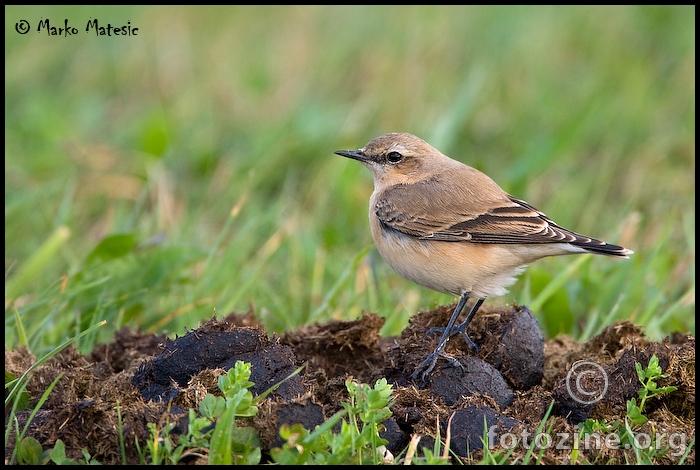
156	179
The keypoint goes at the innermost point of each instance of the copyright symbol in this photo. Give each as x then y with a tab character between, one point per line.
586	382
22	27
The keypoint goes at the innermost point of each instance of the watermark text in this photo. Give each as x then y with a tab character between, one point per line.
66	29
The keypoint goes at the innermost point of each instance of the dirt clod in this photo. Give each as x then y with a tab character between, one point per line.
218	346
450	383
467	427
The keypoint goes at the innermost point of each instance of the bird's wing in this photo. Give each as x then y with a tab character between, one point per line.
430	212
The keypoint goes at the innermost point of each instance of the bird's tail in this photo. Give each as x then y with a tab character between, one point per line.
598	247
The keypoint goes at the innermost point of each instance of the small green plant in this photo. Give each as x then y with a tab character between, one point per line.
626	430
29	450
214	431
32	453
648	378
358	440
58	456
229	442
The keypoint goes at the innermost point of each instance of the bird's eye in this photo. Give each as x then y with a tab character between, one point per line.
394	157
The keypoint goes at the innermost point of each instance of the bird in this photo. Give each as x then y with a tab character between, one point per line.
449	227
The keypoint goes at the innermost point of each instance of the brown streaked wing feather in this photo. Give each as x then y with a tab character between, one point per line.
515	222
416	212
522	223
509	221
426	208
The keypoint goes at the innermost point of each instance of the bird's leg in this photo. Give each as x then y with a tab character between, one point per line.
431	359
461	328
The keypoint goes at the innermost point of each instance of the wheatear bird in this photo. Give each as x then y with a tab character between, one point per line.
451	228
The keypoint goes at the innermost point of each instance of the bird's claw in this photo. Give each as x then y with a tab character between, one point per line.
429	364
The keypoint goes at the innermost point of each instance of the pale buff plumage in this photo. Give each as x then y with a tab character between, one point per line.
451	228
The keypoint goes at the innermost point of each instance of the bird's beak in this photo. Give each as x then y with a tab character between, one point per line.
354	154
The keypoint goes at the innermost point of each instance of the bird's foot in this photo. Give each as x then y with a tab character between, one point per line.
428	364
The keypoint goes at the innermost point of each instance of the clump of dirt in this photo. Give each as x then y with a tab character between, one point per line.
510	384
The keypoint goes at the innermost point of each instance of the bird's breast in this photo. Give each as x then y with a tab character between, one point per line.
449	267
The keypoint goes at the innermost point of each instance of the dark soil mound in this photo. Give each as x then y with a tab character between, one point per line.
509	385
